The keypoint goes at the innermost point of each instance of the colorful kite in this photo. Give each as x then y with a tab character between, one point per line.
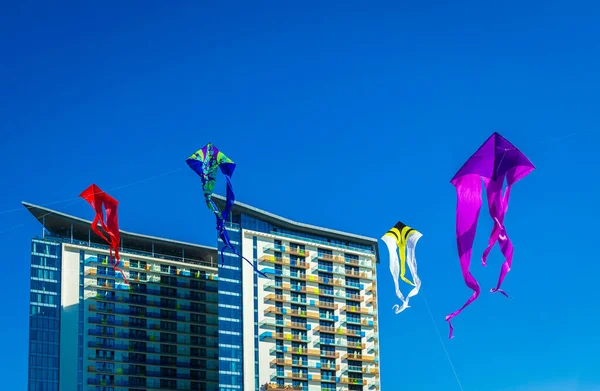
205	163
496	160
99	199
403	239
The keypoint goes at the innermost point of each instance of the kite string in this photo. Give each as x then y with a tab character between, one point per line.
44	215
442	341
111	189
78	199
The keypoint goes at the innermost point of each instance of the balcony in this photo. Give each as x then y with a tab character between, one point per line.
329	354
90	272
330	366
355	297
305	351
326	281
362	322
289	363
356	345
298	300
284	261
357	274
325	329
327	316
355	381
354	333
270	285
284	337
274	297
326	304
299	376
357	310
277	387
286	250
358	357
275	310
282	323
331	257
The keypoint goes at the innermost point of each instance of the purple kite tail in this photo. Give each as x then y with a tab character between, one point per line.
498	207
468	191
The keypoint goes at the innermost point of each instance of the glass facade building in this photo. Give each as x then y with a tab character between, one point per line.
90	331
189	320
44	316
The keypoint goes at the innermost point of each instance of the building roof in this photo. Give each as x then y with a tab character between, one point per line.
285	223
60	224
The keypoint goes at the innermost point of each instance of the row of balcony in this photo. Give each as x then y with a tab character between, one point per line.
147	385
206	365
155	268
306	326
318	378
294	287
324	304
302	264
299	300
121	285
158	304
319	329
152	338
211	351
316	315
325	366
130	312
293	250
322	353
209	376
150	291
339	282
181	328
289	387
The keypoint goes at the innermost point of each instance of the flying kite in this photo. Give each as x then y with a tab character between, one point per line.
403	239
99	199
496	160
205	162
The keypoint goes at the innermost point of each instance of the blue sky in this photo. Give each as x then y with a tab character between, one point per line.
341	115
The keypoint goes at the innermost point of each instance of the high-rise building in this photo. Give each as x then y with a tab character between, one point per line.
313	324
90	331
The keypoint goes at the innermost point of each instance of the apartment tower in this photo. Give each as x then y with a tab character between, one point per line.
91	331
312	325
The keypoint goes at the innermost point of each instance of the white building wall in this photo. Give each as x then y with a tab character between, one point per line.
69	319
248	312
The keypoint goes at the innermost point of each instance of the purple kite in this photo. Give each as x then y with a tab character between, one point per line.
497	159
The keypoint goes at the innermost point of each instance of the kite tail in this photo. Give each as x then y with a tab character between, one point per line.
115	265
96	230
402	250
225	238
392	246
498	207
411	260
471	283
468	191
507	250
241	256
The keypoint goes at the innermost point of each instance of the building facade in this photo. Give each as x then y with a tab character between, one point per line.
311	326
178	325
91	331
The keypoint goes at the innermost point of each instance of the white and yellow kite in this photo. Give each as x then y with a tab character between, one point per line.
403	239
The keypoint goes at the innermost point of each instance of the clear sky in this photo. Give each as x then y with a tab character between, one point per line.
341	115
